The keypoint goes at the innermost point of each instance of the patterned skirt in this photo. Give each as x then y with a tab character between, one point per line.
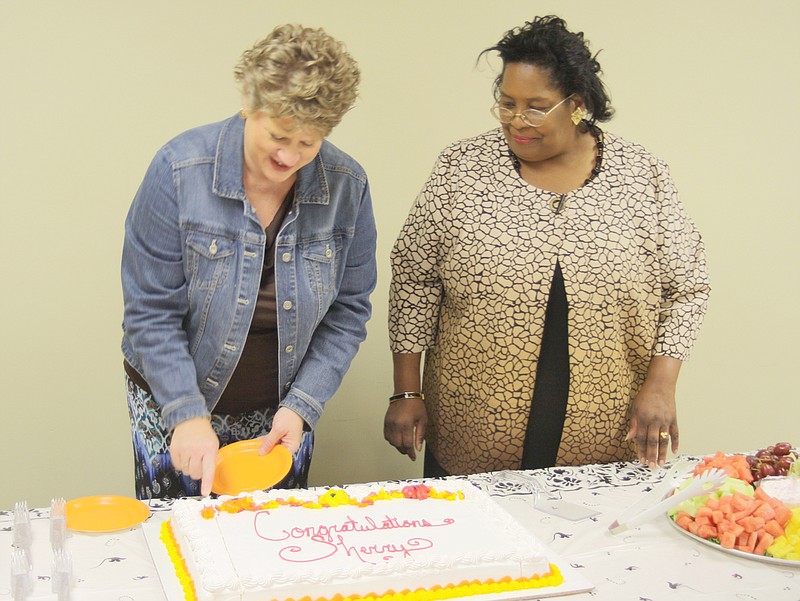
154	474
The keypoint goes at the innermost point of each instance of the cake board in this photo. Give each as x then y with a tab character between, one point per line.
573	583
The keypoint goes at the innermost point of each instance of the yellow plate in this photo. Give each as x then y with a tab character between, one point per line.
105	513
241	469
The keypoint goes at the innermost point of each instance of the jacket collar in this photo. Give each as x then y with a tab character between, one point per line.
311	186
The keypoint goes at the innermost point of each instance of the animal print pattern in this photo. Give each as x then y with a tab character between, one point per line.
471	274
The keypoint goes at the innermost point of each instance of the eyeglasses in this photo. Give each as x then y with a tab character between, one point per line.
530	117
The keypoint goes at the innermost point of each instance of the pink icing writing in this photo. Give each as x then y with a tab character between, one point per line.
321	541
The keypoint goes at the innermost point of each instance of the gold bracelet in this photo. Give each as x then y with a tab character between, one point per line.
406	395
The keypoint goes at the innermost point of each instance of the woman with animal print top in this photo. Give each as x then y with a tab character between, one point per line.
550	276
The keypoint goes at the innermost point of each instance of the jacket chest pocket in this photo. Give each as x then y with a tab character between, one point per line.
208	260
320	262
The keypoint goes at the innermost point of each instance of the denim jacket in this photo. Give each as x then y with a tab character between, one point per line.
191	268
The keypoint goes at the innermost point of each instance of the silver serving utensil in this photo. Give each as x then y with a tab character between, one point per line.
703	484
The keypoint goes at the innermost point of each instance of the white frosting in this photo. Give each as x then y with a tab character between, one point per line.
396	544
784	488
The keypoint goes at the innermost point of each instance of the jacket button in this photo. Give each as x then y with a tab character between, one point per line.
287	305
289	349
286	257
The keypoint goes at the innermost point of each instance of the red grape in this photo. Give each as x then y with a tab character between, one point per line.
782	448
774	460
768	469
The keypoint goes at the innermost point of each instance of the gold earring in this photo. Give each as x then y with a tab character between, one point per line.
242	114
577	115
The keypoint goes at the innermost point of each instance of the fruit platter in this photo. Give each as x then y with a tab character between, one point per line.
755	513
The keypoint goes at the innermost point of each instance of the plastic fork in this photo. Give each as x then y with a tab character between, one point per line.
21	575
22	538
707	482
61	580
22	525
58	523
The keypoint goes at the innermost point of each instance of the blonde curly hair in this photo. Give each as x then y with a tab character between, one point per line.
302	73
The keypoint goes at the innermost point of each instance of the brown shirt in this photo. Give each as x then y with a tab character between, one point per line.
471	273
254	383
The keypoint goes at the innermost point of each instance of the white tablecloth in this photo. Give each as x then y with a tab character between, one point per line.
653	562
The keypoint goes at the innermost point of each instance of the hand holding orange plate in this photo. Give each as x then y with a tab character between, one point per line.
241	469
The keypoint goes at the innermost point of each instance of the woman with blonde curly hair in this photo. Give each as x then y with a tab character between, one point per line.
248	262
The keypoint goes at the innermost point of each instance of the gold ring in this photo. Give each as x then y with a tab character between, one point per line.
664	435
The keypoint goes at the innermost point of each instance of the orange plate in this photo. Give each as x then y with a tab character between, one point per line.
241	469
105	513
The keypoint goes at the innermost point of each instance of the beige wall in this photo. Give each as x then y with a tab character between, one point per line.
91	89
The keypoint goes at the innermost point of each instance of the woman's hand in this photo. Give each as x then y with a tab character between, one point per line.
193	450
405	420
653	416
404	426
287	429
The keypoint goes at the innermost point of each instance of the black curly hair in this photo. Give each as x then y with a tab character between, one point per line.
547	43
